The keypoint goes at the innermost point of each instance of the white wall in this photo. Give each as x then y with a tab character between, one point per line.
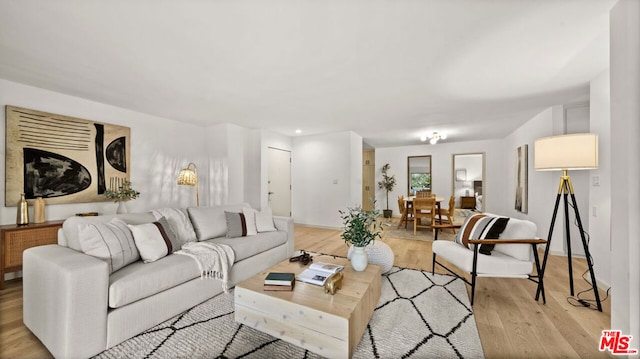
625	147
160	148
543	185
323	177
217	166
600	196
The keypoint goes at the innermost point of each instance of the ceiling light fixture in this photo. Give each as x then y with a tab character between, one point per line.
434	138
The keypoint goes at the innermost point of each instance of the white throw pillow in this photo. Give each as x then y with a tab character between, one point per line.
154	241
178	221
210	222
264	221
112	242
250	219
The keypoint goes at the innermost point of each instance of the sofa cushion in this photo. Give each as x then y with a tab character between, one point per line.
236	224
264	220
140	280
246	247
210	222
112	242
71	226
155	240
179	221
250	217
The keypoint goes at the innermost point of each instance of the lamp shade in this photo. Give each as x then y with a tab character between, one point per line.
566	152
189	177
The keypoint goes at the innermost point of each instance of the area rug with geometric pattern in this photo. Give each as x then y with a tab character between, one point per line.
419	315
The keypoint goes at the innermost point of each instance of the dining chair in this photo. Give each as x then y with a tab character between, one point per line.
447	214
407	214
424	208
423	194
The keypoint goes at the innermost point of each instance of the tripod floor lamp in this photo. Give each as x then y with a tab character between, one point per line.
563	153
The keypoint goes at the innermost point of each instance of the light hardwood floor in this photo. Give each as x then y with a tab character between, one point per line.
510	322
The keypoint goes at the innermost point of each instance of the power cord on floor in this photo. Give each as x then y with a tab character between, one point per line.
577	300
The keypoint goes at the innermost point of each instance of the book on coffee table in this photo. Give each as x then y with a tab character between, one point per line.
278	287
278	278
317	273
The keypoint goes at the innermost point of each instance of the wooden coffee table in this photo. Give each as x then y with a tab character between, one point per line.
329	325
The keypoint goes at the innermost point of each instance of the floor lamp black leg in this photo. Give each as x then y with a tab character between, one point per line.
546	249
587	254
568	233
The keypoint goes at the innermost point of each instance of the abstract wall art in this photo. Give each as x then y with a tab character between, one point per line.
62	159
522	174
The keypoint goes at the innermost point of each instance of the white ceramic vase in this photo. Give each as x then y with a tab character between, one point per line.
122	208
359	259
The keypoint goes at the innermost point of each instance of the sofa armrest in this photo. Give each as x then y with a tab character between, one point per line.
286	224
65	300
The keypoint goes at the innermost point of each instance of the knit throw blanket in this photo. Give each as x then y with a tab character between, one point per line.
214	260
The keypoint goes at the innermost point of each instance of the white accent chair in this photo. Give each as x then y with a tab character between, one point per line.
513	256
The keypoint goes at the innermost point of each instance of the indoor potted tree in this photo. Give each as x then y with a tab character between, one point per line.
360	229
387	183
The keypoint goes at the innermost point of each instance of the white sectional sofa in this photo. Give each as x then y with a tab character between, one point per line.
78	309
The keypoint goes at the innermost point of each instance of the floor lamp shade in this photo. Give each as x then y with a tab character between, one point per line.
566	152
189	177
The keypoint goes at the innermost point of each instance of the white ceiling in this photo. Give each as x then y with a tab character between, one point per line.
389	70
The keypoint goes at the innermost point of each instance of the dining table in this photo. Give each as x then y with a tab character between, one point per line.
408	207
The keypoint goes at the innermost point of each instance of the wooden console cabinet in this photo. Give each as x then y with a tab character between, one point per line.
15	239
467	202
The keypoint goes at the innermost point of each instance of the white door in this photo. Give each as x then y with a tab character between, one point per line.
280	182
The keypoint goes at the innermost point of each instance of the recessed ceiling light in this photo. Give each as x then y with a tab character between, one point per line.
298	131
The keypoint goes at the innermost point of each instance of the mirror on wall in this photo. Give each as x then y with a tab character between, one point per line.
468	181
418	174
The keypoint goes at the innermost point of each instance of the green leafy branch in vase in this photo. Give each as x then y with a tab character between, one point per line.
124	192
360	227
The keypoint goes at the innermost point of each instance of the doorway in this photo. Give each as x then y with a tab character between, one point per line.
468	182
279	182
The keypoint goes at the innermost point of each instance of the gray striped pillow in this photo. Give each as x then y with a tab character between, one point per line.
112	242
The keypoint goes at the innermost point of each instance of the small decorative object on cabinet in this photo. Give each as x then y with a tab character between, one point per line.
38	210
16	238
22	216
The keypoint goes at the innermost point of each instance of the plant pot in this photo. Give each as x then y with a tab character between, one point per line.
387	213
359	259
